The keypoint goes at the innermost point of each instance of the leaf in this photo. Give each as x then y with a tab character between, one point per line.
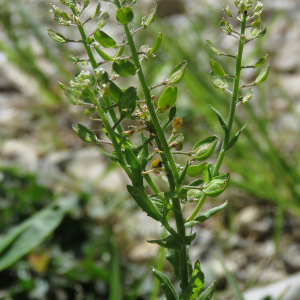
173	257
212	48
208	293
26	236
57	36
102	20
168	242
102	54
177	72
84	133
207	214
216	186
218	81
112	157
144	203
246	96
156	44
204	148
133	162
263	75
124	15
216	68
124	68
151	16
144	153
235	138
221	120
166	285
168	98
261	61
104	39
195	171
182	175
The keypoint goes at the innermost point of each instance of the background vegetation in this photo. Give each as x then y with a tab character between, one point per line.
93	246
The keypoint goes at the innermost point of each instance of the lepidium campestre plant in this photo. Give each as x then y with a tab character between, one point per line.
156	152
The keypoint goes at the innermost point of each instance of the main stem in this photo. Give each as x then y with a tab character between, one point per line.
169	160
231	113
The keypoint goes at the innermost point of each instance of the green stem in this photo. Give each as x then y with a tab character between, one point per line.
231	114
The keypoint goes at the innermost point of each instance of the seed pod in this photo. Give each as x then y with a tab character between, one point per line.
124	15
216	186
177	124
124	67
226	27
212	48
246	96
97	11
176	142
168	98
177	73
216	68
85	134
104	39
151	16
195	171
102	20
57	36
227	10
204	148
128	101
218	81
156	44
261	61
263	75
102	54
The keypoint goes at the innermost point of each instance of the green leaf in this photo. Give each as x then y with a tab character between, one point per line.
235	138
263	75
168	242
226	27
177	72
128	101
26	236
104	39
212	48
156	44
124	68
204	148
151	16
144	203
102	20
173	257
111	157
176	142
89	111
261	61
216	68
166	285
221	120
97	11
216	186
137	178
168	98
85	134
246	96
102	54
195	171
57	36
124	15
208	293
182	175
144	153
207	214
218	81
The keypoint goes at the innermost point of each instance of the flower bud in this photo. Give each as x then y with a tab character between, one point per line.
56	11
177	124
99	73
227	10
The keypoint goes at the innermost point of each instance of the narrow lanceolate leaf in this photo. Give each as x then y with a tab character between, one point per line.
204	148
124	67
235	138
182	174
156	44
177	73
218	81
208	293
168	98
166	285
103	20
263	75
124	15
212	48
216	186
173	257
195	171
207	214
104	39
151	16
57	36
85	134
102	54
168	242
246	96
221	120
261	61
216	68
